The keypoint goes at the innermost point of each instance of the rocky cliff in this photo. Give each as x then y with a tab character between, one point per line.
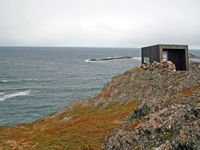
148	107
168	116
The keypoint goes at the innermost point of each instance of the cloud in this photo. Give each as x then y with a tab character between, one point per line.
99	23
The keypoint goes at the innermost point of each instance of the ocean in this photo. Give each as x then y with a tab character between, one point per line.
35	81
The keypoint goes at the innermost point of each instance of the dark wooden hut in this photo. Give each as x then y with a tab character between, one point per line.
178	54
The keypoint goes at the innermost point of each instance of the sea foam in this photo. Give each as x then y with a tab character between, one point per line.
3	81
87	60
8	96
1	93
136	58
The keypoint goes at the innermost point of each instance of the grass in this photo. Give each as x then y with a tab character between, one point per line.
84	131
167	136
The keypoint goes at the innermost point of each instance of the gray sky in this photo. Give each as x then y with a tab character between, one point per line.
118	23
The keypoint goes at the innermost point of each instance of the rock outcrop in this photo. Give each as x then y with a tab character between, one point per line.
168	116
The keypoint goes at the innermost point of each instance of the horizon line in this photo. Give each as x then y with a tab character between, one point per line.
57	46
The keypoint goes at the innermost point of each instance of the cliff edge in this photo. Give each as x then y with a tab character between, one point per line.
148	107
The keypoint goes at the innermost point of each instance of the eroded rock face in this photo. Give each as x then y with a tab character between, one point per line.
171	128
168	117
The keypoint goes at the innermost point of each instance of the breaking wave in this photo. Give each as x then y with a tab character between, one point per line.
25	80
136	58
87	60
3	81
8	96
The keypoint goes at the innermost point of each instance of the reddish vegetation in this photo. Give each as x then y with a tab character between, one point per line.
189	91
84	131
163	72
108	92
137	124
185	92
104	94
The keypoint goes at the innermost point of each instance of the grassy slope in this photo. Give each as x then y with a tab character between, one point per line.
86	129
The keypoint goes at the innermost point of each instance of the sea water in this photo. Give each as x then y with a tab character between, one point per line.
35	81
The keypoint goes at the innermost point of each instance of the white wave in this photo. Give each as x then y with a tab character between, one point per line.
87	60
31	79
4	81
23	80
24	93
1	93
136	58
36	79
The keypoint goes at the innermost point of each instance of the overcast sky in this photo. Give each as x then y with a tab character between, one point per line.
118	23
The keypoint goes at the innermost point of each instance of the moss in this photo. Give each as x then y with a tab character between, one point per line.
167	135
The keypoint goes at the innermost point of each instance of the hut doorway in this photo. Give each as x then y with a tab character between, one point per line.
177	56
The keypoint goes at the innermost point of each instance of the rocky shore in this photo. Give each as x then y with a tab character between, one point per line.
148	107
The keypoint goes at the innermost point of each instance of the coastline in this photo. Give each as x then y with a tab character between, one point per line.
124	109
